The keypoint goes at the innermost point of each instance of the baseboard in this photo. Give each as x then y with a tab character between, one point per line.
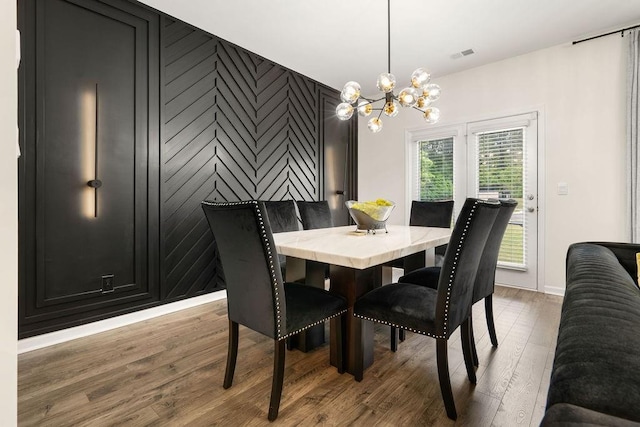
554	290
45	340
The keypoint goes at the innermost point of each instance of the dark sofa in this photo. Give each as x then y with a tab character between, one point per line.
596	370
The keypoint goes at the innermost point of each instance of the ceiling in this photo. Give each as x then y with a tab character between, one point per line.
333	41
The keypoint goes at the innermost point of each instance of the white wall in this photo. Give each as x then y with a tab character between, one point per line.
581	90
8	216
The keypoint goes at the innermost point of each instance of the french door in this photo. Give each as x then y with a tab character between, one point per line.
502	163
486	159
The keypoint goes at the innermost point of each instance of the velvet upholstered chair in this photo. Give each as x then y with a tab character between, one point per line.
282	217
432	214
315	214
438	312
486	277
256	295
426	214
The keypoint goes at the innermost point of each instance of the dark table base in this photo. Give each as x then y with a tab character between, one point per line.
351	283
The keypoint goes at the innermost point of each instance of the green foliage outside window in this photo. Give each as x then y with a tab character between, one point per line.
500	174
436	169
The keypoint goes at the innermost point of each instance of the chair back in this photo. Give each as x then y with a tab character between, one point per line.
486	277
431	214
315	214
255	292
460	265
282	215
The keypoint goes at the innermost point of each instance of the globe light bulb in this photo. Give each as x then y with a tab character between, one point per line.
420	77
431	91
375	125
422	103
408	97
431	115
344	111
350	92
386	82
391	108
365	108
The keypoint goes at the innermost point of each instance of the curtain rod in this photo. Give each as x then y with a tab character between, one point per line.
608	34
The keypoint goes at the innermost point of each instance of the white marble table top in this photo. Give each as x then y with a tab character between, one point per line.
343	246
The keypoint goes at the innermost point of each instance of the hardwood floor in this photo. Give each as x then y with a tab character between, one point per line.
168	371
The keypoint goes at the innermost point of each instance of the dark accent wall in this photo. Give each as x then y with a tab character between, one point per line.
235	127
222	124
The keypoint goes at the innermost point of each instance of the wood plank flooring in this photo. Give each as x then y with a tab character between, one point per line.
168	371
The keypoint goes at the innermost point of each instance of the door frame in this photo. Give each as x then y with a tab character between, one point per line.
462	122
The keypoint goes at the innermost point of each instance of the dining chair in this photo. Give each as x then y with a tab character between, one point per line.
315	214
282	217
257	297
485	279
437	313
426	214
432	214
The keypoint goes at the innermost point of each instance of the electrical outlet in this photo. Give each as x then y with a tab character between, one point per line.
107	283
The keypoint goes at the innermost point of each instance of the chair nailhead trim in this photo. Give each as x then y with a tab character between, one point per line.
453	268
398	326
311	325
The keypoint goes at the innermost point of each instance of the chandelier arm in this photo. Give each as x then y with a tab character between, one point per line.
371	101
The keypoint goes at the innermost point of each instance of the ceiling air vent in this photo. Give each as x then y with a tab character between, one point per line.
466	52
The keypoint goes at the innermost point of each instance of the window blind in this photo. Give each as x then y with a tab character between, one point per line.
501	174
435	169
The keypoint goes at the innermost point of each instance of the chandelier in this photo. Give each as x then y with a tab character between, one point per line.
419	95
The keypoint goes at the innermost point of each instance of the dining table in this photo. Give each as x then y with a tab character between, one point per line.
358	262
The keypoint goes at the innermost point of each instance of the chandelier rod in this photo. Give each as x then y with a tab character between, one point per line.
389	36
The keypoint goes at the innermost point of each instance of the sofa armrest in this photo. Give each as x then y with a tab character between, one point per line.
626	254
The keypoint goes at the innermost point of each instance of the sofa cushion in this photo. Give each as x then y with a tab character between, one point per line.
597	359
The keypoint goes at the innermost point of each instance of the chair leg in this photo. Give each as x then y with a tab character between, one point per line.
401	335
474	352
232	354
394	339
358	366
443	376
465	337
278	377
488	308
338	324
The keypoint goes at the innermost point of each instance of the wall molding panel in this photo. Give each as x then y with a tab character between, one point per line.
224	124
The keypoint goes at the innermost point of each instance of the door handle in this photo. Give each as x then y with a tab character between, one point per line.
531	209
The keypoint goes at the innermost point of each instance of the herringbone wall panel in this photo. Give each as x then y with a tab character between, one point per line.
235	126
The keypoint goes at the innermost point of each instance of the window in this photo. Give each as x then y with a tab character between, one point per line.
436	159
500	173
435	167
494	158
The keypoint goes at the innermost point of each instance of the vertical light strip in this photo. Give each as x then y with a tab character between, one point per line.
88	135
95	157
